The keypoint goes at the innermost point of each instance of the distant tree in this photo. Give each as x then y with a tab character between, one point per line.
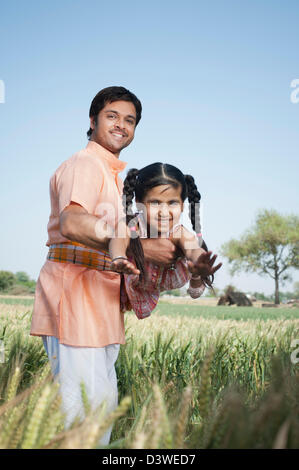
212	293
16	284
270	248
22	277
7	279
262	296
229	288
174	292
296	290
284	296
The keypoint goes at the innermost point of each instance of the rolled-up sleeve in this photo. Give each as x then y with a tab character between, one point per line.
80	181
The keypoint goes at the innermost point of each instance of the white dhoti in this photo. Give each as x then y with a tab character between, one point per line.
72	365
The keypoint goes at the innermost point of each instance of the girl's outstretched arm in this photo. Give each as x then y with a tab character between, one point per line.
200	262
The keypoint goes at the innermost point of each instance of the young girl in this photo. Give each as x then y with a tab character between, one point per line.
160	191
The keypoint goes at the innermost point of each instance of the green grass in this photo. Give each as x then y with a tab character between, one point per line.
193	380
226	313
16	301
198	311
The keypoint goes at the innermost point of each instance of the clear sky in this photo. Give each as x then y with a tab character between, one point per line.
214	79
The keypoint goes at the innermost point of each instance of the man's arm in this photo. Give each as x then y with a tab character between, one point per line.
78	225
160	251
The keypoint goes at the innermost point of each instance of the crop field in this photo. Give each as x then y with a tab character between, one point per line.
191	376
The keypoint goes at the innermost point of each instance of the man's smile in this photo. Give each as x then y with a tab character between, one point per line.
118	134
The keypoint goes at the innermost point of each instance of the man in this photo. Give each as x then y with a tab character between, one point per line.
77	305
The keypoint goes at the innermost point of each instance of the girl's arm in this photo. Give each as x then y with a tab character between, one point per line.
200	261
118	247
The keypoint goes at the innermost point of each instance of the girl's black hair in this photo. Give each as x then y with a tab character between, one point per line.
135	246
138	182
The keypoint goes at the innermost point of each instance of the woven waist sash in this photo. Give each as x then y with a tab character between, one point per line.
71	252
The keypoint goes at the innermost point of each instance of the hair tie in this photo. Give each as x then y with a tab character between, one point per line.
199	234
133	229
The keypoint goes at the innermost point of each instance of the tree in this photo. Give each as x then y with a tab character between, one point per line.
7	279
22	277
16	284
296	290
270	248
216	292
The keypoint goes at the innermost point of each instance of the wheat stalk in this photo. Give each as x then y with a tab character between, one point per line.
153	438
12	388
139	442
11	424
44	378
114	415
182	419
139	426
161	416
280	441
16	437
36	419
74	438
85	400
205	385
52	419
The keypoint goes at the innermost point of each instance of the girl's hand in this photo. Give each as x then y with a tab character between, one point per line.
203	266
124	266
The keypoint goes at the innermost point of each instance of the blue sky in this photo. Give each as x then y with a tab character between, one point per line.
214	80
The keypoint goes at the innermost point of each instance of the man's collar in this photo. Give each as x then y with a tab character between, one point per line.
115	164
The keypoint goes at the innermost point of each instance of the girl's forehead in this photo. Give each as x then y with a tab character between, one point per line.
164	191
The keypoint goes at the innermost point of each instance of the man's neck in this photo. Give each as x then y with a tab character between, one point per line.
116	154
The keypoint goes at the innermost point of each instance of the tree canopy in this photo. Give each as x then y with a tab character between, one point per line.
270	247
18	283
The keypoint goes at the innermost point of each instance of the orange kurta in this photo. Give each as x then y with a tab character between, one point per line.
78	305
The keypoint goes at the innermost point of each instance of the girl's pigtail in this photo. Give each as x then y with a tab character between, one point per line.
135	245
194	199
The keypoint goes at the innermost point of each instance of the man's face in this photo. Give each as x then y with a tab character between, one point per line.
115	126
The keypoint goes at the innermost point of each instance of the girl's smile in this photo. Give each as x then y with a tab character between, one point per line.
163	208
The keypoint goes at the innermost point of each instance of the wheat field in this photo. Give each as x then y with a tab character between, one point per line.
188	378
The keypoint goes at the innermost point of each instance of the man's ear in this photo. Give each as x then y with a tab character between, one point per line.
92	122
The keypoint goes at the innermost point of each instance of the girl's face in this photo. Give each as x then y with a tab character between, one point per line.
163	208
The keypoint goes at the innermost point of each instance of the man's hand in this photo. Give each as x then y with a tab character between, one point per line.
204	265
160	251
